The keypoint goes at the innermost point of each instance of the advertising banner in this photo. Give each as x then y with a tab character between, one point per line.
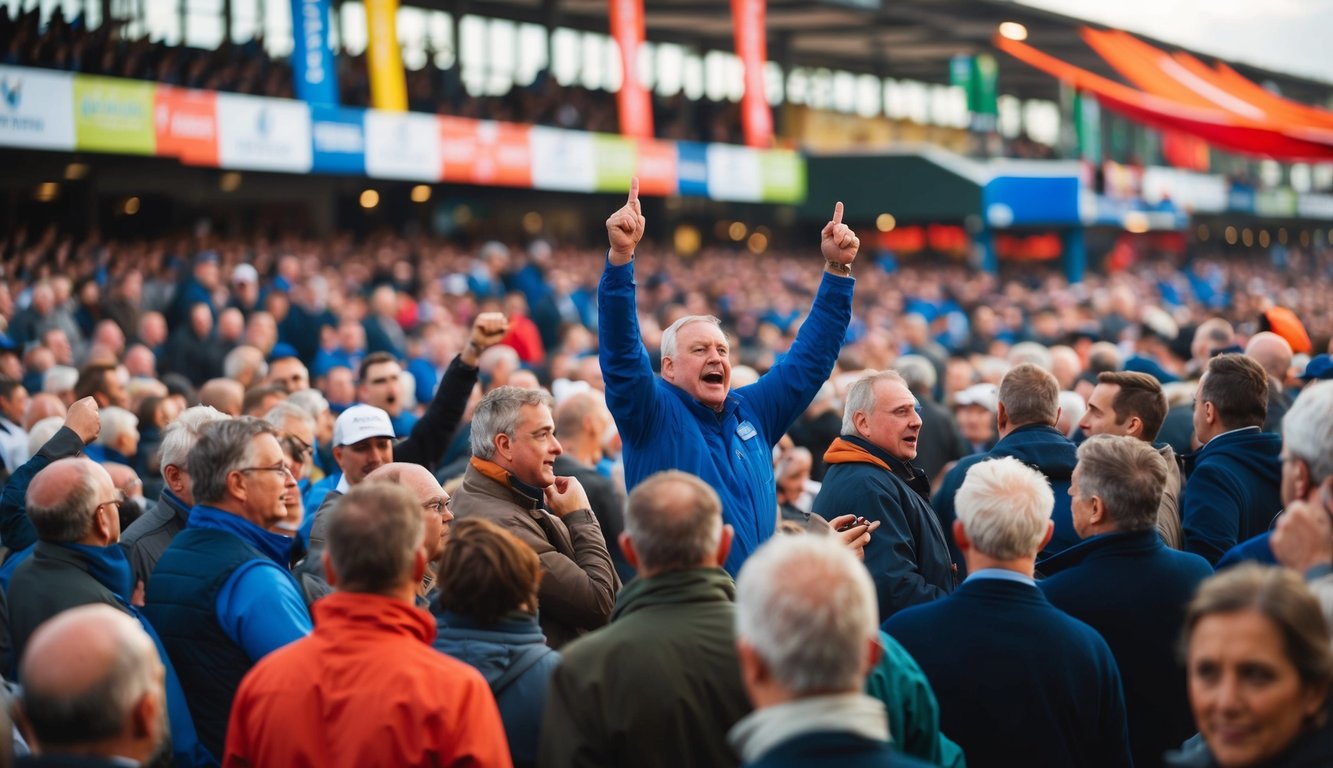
113	115
388	84
485	152
781	177
402	145
313	68
747	19
656	168
615	158
636	109
733	173
338	140
262	134
692	168
36	109
185	124
563	160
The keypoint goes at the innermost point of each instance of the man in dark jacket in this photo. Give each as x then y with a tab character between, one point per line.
870	474
1026	415
1018	681
1124	582
1233	489
582	422
661	685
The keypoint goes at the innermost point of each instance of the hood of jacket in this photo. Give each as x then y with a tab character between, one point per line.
491	648
1040	447
1251	447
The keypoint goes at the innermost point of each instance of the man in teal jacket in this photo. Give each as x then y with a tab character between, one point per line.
689	419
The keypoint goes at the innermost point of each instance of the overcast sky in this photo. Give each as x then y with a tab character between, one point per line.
1285	35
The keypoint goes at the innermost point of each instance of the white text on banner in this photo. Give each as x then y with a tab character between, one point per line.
563	160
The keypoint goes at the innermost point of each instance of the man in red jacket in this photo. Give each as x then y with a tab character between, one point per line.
367	688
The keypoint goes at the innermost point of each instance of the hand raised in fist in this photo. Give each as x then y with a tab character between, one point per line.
624	228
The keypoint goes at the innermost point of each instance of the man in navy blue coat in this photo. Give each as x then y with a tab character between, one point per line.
1232	492
1124	582
1018	681
1028	409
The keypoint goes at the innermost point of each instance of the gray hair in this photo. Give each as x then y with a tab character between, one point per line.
1030	352
42	432
861	397
1307	430
807	607
311	400
59	379
674	520
244	358
223	447
1127	474
1005	506
668	343
278	415
70	517
1030	395
373	532
1104	357
115	422
917	372
497	414
182	433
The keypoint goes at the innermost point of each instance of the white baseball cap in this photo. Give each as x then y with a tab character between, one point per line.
360	422
244	273
985	395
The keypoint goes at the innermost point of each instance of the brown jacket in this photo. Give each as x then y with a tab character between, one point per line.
579	583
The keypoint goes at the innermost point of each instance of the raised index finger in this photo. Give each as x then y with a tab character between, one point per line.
837	212
634	190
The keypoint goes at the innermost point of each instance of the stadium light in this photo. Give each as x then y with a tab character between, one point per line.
369	199
885	222
420	193
1136	222
532	222
131	206
46	192
757	243
230	181
737	231
1202	233
76	171
1012	30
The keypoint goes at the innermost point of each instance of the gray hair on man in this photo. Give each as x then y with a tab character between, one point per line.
59	379
374	531
1030	352
115	422
674	521
1127	474
668	345
1030	395
309	400
1307	430
807	607
861	397
917	372
1005	507
497	414
43	431
224	447
182	433
284	410
242	360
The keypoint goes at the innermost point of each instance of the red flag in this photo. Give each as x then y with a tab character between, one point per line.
636	111
747	18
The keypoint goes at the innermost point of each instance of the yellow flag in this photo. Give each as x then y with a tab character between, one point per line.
388	85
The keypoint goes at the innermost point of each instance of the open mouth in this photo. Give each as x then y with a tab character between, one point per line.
713	377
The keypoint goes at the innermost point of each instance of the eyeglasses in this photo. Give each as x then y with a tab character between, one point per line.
116	502
280	469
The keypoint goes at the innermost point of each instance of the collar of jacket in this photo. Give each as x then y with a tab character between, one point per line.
702	412
764	729
515	626
343	612
854	449
530	495
180	509
107	566
275	546
690	585
1106	543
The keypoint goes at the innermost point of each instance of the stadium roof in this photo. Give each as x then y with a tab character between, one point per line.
909	39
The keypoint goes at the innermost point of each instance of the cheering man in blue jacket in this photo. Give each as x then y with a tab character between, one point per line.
689	419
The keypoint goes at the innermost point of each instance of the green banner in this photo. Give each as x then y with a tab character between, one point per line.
983	98
781	177
1088	127
113	115
615	159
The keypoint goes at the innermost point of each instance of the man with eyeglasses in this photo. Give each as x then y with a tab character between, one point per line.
221	596
74	507
870	473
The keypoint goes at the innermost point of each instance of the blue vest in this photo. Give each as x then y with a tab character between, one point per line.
182	598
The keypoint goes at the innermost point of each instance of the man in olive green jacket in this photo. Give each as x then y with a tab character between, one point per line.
661	685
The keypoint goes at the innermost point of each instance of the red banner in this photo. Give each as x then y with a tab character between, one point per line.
636	109
747	18
186	123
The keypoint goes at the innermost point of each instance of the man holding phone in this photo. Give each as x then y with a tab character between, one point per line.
870	473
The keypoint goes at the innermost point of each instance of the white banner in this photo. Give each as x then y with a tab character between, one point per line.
563	160
36	109
402	145
733	174
263	134
1188	190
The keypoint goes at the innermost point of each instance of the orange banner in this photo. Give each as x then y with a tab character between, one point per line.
748	21
186	123
636	108
485	152
656	168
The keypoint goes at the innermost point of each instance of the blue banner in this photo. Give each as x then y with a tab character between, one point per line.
338	140
1015	201
692	168
316	79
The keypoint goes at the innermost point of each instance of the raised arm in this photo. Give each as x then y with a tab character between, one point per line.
82	423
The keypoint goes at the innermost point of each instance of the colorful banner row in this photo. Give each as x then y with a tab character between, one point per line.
58	111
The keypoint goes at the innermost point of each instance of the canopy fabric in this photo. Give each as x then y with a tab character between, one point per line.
1176	96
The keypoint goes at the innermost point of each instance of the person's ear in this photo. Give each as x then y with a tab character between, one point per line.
960	536
724	544
1050	531
1098	512
627	546
236	485
420	562
669	369
861	420
330	575
175	477
1001	417
1302	471
1209	412
1134	427
503	445
754	672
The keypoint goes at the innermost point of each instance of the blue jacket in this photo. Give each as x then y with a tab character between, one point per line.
1018	681
494	650
664	428
1133	590
1232	493
847	750
1041	447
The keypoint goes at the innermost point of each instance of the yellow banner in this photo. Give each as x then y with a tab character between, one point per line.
388	84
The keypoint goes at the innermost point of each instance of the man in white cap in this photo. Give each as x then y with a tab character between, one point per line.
244	289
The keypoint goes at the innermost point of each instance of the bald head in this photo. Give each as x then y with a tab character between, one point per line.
92	682
1271	352
429	495
43	405
69	501
223	394
674	521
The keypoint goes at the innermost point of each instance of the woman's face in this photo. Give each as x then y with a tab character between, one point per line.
1248	698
